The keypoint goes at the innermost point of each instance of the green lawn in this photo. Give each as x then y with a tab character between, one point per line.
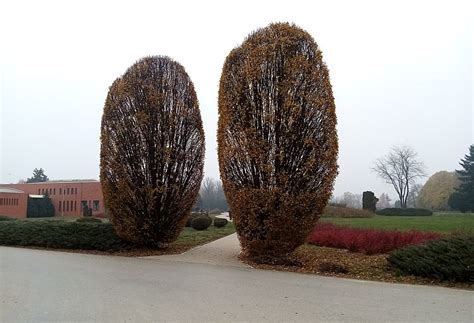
441	222
191	237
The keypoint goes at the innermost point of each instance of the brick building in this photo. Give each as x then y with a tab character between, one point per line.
68	197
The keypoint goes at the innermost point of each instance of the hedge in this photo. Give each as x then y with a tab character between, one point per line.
404	212
61	235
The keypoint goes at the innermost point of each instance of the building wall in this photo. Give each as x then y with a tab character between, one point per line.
68	197
13	204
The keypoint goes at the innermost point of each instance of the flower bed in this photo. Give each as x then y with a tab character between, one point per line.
368	241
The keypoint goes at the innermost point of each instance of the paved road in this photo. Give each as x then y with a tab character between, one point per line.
224	251
54	286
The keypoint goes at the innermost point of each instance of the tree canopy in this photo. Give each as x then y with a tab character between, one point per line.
434	195
38	176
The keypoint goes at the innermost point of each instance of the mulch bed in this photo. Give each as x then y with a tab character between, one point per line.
333	262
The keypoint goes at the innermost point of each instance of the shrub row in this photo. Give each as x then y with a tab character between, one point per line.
89	220
6	218
368	241
404	212
451	258
61	235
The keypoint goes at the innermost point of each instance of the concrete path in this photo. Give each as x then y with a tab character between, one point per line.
48	286
222	252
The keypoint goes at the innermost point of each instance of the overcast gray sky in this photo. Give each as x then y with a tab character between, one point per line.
401	75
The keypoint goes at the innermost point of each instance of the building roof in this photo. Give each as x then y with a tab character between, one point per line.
10	190
66	181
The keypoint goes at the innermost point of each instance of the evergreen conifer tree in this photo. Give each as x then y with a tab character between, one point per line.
463	198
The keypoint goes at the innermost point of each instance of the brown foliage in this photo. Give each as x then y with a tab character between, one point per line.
331	211
277	140
152	151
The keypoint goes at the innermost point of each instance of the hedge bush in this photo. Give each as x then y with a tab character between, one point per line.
89	220
61	235
404	212
220	223
277	138
201	222
331	211
152	151
6	218
368	241
451	258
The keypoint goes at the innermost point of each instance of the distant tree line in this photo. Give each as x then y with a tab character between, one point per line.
211	196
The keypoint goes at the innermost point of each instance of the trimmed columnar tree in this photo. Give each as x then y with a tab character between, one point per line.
277	140
369	201
152	151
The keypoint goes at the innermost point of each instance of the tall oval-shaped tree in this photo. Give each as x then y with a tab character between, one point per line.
152	151
277	139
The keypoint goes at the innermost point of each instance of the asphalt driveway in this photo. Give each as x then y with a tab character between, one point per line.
38	285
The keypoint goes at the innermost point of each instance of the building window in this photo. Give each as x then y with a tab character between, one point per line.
95	206
75	190
59	206
54	191
75	205
60	191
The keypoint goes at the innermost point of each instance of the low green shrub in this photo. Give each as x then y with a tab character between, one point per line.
451	258
89	220
61	235
404	212
201	222
220	223
6	218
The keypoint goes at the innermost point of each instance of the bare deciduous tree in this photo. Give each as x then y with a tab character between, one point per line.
384	201
400	168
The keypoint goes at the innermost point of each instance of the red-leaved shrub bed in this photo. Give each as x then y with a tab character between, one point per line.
368	241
